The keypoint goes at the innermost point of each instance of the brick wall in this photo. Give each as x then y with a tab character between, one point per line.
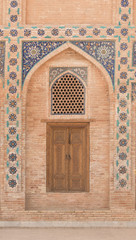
70	12
38	36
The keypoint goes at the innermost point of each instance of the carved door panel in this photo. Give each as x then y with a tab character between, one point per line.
67	158
77	145
59	163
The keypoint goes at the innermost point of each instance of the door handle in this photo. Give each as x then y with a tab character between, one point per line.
68	156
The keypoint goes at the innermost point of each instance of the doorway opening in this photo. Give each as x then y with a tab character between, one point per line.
67	157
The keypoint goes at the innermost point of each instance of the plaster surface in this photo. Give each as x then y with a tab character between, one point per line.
68	233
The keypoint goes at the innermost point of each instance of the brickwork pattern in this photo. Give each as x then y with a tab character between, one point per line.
22	47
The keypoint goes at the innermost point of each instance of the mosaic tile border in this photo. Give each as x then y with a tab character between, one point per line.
133	91
2	60
134	55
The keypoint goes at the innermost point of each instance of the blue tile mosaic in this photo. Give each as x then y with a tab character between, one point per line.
103	52
34	51
122	156
12	183
133	91
122	183
2	59
12	157
134	54
1	33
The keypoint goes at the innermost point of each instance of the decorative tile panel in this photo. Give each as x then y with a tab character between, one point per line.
34	51
12	101
133	92
56	71
134	54
103	52
2	60
122	165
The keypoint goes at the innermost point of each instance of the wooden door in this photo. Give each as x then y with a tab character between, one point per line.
67	158
77	162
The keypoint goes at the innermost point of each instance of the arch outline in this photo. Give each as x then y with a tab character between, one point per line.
60	49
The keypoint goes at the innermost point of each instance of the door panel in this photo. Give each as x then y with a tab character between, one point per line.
76	168
68	162
58	160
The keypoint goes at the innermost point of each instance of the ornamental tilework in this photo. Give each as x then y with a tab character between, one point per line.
133	93
122	170
56	71
34	51
103	52
134	54
2	59
13	110
1	33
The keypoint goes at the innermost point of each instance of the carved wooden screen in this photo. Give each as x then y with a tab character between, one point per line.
68	96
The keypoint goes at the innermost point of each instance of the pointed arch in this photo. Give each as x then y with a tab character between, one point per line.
38	113
84	81
61	49
68	72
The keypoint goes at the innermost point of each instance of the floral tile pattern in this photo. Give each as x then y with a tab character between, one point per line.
103	52
34	51
2	59
56	71
133	93
134	54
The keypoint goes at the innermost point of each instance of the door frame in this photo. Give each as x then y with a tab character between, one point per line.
49	125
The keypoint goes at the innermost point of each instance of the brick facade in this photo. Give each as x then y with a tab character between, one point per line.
39	43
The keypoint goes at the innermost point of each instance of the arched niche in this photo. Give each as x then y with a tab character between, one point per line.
99	113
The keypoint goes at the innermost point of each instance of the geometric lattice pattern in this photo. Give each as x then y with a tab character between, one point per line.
68	96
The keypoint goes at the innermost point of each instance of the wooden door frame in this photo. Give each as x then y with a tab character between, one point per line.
48	150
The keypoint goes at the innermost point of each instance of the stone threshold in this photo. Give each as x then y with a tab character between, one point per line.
67	224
